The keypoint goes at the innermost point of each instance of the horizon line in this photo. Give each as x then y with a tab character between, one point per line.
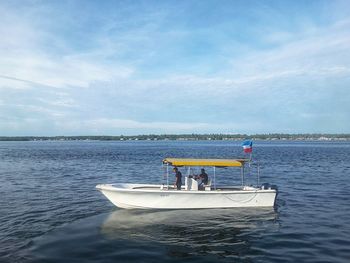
180	134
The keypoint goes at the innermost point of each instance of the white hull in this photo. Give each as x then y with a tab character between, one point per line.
153	197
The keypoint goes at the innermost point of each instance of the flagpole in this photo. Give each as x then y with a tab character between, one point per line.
250	160
248	148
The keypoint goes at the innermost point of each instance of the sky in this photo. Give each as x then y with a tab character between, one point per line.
142	67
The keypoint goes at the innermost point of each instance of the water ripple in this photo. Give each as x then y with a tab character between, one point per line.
51	212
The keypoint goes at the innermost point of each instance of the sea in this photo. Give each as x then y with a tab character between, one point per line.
50	210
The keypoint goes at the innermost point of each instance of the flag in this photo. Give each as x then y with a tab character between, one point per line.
247	146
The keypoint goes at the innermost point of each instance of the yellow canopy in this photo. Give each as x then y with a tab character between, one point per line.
205	162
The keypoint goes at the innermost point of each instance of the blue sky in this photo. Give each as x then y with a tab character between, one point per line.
139	67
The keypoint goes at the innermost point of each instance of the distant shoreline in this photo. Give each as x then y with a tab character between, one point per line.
187	137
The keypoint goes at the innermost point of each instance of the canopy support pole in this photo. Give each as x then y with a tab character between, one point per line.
214	179
167	176
258	179
242	175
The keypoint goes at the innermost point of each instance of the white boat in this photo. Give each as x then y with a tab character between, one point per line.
165	196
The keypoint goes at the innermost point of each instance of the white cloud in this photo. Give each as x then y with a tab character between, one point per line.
325	51
26	55
58	72
96	89
104	123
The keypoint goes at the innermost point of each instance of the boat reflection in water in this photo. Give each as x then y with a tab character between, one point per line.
135	235
216	232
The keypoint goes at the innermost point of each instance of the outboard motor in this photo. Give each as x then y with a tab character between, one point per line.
274	187
265	186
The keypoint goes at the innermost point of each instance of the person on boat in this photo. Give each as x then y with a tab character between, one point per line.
178	181
204	177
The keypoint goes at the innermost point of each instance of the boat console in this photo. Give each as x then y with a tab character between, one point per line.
191	184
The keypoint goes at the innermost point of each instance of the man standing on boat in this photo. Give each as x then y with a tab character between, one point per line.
178	176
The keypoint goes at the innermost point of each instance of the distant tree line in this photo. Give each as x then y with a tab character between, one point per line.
217	137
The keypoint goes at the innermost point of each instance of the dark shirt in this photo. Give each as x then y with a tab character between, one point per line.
204	177
178	176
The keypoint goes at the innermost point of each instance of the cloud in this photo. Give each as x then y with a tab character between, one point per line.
26	55
100	125
324	51
78	71
122	71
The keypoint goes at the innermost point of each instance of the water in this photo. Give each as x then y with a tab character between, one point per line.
50	211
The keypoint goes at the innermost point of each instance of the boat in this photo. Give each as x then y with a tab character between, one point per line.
192	195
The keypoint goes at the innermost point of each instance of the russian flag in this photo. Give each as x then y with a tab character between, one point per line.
247	146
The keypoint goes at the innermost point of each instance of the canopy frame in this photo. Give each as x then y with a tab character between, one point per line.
220	163
205	162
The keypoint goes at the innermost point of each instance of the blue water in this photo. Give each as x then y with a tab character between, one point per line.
50	211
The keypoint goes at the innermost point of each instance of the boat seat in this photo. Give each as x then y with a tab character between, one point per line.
207	187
